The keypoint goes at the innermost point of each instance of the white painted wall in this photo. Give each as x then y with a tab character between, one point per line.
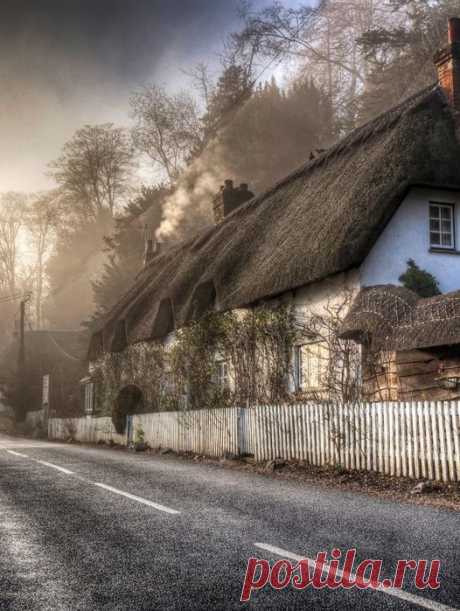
319	296
407	236
326	298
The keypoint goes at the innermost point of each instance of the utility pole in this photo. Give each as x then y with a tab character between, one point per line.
22	358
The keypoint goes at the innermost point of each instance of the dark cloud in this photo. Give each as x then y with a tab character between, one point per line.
67	62
123	36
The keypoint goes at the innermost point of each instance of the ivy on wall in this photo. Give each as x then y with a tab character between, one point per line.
231	358
140	365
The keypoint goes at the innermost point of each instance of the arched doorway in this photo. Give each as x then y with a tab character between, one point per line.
129	401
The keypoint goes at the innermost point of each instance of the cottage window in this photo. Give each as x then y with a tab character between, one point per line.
442	226
309	366
222	374
89	397
168	385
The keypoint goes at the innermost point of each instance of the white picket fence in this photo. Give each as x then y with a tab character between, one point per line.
416	440
207	432
86	429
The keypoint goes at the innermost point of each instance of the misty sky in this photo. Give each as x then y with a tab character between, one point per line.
64	63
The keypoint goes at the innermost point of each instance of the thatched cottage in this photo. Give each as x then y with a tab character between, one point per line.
348	219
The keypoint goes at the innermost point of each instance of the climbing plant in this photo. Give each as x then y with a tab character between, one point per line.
232	358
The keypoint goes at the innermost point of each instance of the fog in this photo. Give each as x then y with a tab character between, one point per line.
68	65
64	64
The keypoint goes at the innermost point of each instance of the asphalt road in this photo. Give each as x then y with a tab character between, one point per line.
93	528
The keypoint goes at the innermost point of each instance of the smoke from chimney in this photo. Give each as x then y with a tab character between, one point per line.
189	208
448	64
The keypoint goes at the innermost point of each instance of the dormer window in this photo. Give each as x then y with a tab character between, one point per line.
442	234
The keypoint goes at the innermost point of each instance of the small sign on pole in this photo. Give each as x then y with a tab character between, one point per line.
46	390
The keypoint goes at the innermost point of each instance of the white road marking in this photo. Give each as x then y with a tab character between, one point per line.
42	462
133	497
49	464
139	499
396	592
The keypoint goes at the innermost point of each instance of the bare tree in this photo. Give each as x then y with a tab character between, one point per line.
12	212
42	220
201	81
94	169
167	128
321	40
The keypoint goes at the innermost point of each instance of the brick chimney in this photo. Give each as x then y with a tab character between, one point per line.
151	246
448	64
229	198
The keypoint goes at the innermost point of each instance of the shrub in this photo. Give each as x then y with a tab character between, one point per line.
420	281
140	435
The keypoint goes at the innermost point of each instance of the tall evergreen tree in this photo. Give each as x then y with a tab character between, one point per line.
232	90
124	248
275	131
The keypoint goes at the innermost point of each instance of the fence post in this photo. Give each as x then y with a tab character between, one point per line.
442	442
449	428
415	439
455	407
434	430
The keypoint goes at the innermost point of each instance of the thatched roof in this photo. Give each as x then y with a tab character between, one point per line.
393	318
320	220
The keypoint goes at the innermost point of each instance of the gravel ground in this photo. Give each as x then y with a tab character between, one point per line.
434	494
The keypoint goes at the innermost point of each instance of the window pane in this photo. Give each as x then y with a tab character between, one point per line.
446	239
446	212
446	226
313	364
441	226
299	367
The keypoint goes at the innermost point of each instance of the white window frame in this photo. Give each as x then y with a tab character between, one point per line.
168	383
90	395
46	390
297	367
311	381
437	217
222	374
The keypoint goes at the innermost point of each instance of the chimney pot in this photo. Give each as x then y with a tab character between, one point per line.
149	251
229	198
454	30
152	247
448	64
